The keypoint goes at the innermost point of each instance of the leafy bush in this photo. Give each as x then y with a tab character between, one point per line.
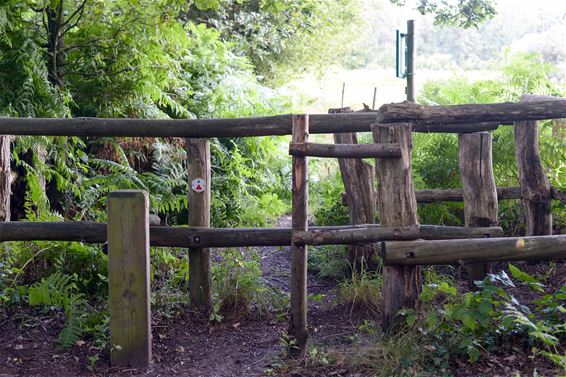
469	323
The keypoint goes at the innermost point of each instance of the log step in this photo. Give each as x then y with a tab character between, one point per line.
346	150
473	250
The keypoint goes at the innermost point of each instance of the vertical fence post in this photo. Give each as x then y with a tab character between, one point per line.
478	186
358	178
5	178
397	207
298	316
411	61
128	278
198	154
535	187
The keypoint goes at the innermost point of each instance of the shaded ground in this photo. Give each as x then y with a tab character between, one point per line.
192	347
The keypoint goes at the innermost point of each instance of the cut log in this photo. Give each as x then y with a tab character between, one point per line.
497	112
397	208
535	187
473	250
198	156
298	312
478	183
346	150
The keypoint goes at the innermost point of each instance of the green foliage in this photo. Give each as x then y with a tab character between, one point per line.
362	292
239	288
481	319
328	262
326	196
464	14
58	291
283	37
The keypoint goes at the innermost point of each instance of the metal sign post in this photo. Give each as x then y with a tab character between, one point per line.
405	58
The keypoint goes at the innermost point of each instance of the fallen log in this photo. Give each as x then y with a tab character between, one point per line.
473	250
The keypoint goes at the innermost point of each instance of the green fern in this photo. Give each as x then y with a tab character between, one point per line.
57	291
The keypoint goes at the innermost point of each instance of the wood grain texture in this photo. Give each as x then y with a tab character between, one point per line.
353	236
345	150
198	156
535	186
5	178
496	112
298	313
128	278
198	238
397	208
474	250
478	185
358	178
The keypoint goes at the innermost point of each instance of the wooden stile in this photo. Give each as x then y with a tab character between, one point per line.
397	208
128	278
298	315
478	185
198	155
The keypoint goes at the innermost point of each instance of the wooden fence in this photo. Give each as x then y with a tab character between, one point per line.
129	235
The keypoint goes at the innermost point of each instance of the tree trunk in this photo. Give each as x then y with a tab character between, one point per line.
358	178
535	187
478	185
397	207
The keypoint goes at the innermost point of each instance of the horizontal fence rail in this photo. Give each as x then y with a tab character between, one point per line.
474	250
458	119
457	195
91	232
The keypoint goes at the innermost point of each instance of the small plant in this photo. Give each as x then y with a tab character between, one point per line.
362	292
58	291
239	287
329	261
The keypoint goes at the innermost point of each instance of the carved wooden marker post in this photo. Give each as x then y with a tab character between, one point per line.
198	154
397	207
478	185
358	177
128	278
298	315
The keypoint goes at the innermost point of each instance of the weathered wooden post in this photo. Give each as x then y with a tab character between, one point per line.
397	207
411	61
5	178
198	154
358	178
535	187
298	331
128	278
478	186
